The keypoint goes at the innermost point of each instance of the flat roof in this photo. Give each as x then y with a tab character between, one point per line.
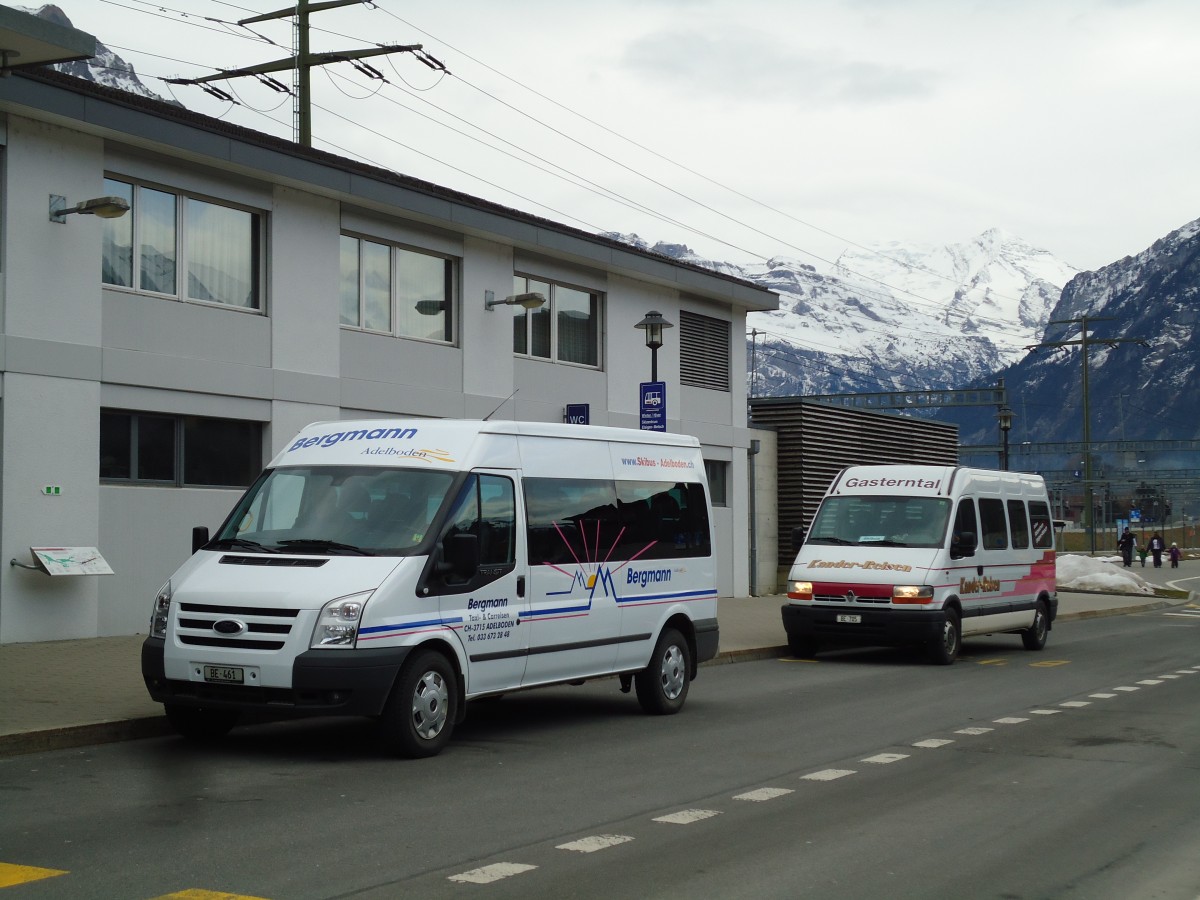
155	124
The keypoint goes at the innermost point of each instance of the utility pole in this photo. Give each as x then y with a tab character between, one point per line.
1083	341
302	61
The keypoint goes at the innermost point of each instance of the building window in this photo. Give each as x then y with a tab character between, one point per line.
179	450
394	290
717	473
704	351
183	247
566	328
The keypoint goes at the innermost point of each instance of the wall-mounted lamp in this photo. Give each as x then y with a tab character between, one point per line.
104	207
430	307
530	301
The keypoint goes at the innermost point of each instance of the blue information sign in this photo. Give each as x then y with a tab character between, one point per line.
578	414
653	407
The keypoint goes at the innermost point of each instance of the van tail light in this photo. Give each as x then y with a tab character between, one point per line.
800	590
912	594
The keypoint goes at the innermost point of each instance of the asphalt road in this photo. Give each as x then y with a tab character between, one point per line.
867	773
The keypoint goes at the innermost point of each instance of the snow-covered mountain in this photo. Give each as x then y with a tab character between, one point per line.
1142	385
895	316
105	68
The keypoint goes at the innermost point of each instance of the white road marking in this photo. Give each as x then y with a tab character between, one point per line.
1102	696
1126	688
1076	704
1010	720
1168	676
494	872
1044	712
688	816
884	758
974	730
595	842
767	793
1149	681
827	774
1184	672
933	743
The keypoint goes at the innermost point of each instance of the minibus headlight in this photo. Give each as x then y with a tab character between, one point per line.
912	593
162	607
337	626
800	590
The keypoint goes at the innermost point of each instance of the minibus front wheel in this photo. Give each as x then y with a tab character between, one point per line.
420	714
663	685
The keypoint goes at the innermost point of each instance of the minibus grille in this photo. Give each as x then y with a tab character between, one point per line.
241	627
842	598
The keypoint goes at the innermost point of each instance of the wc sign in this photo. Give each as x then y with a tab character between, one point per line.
653	407
578	414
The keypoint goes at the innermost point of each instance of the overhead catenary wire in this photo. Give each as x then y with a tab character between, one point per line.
890	288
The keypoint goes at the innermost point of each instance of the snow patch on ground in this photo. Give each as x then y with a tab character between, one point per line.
1102	573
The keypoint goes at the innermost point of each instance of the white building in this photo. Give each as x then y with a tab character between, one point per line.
150	364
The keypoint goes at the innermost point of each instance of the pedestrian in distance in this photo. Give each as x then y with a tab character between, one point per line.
1174	554
1142	554
1127	543
1157	546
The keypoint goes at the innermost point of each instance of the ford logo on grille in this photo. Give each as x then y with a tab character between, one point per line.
229	626
850	597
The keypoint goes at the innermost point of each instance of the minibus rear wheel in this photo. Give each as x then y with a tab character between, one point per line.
663	685
1034	637
419	717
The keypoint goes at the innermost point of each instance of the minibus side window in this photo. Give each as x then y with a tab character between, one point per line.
994	528
486	508
964	522
1019	524
1043	529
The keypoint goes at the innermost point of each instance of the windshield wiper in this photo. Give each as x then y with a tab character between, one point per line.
829	540
884	543
321	544
242	543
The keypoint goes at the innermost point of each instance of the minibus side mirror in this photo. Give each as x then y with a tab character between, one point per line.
798	535
199	537
963	545
460	555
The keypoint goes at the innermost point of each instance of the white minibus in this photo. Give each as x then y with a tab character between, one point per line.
913	554
401	568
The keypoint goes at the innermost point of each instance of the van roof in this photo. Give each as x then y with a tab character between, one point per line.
932	480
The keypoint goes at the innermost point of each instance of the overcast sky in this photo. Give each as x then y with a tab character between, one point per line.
807	125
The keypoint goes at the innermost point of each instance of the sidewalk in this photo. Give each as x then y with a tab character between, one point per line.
61	694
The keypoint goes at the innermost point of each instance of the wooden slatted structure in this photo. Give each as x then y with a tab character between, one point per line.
816	441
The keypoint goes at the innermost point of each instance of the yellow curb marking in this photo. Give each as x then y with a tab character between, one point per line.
198	894
11	874
992	662
1050	663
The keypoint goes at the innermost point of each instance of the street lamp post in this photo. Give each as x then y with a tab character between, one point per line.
653	325
1005	418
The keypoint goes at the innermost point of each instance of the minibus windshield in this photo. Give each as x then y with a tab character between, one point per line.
881	521
336	510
